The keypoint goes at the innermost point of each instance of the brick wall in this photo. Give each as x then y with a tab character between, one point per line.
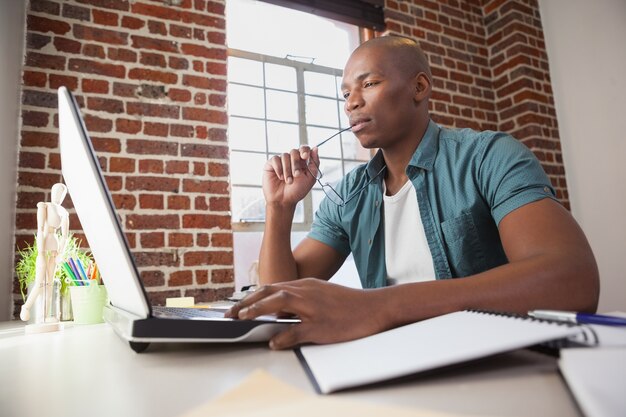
151	78
491	70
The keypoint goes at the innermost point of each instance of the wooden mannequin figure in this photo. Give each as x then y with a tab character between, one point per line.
50	217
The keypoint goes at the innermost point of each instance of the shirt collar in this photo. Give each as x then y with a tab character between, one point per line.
423	157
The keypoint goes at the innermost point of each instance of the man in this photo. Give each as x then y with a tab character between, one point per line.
432	204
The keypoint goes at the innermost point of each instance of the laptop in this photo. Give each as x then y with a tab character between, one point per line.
129	312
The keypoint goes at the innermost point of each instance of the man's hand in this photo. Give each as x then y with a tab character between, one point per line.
328	312
286	179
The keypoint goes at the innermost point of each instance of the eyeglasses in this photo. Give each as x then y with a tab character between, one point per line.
328	189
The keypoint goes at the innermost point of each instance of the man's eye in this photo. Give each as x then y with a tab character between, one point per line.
369	84
346	95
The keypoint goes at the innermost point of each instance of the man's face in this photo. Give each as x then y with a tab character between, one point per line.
380	100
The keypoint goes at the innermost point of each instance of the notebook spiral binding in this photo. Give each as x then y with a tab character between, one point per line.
587	336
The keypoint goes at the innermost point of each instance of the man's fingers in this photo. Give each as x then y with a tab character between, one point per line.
280	301
297	163
285	158
293	336
276	165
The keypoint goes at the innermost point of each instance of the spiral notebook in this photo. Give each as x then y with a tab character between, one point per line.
429	344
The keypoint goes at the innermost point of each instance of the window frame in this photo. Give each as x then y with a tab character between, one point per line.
300	68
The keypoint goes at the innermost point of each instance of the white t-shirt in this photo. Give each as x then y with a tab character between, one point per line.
407	255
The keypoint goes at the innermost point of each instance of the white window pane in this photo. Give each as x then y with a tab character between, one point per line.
318	196
350	165
246	168
317	135
245	101
282	137
280	76
247	204
246	134
245	71
331	171
282	106
298	216
320	84
272	30
321	111
352	148
343	118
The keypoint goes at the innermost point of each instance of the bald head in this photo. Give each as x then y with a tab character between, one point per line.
405	53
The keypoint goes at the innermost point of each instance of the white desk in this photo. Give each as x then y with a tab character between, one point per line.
89	371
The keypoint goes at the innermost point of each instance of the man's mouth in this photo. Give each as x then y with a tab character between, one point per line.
358	124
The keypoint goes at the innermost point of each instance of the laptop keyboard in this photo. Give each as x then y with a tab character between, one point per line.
186	313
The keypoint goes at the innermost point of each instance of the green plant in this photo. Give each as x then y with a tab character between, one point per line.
25	267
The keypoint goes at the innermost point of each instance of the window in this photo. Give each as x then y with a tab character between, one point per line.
283	91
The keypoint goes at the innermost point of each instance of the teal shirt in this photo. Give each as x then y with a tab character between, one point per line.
465	181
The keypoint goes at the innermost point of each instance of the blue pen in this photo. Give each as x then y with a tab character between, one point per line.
579	318
75	270
82	270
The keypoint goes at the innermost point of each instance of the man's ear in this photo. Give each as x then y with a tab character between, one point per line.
423	86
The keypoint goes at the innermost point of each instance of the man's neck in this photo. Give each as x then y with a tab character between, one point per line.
397	159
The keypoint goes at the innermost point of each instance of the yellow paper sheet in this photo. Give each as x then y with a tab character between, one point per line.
262	395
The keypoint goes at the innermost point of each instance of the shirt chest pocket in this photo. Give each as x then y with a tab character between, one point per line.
463	248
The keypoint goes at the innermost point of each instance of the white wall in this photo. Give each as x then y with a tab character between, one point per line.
587	53
11	51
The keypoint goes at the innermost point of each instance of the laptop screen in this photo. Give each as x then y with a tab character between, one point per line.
95	209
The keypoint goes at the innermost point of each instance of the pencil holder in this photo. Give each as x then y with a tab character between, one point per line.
87	303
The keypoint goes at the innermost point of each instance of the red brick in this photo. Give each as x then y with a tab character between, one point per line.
199	168
152	240
177	94
219	204
157	27
182	131
204	151
153	278
178	202
177	167
39	139
222	276
105	105
208	258
152	75
178	63
105	18
124	201
152	59
180	240
132	22
100	35
151	183
206	221
121	54
43	24
156	129
150	166
204	115
203	52
127	126
153	110
152	221
180	31
223	240
97	124
202	240
218	170
150	147
32	160
37	60
95	86
93	67
179	278
121	5
95	51
141	42
151	201
117	164
37	179
34	79
200	203
202	277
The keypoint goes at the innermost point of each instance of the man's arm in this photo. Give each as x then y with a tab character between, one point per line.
286	181
551	266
